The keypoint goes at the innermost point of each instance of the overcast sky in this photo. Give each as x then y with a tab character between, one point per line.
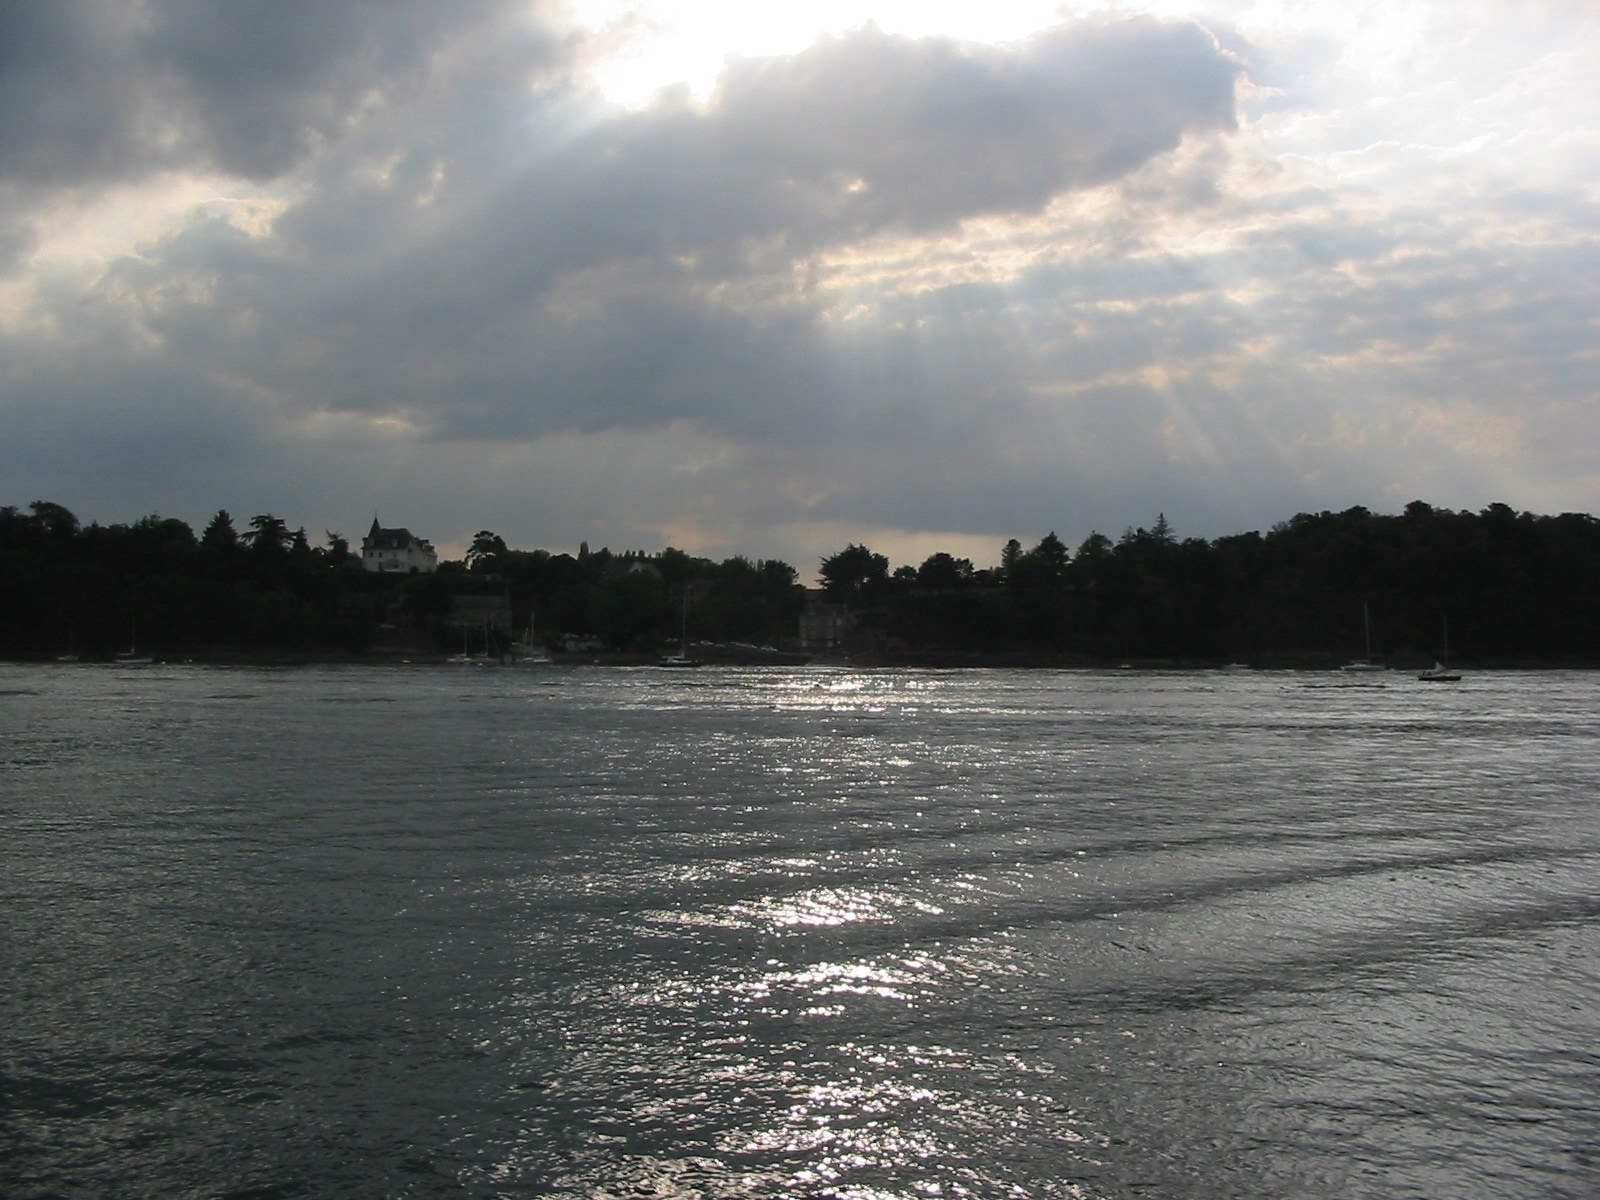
744	282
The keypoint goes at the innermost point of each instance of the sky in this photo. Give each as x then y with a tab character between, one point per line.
770	279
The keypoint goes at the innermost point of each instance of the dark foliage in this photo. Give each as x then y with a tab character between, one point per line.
1509	587
96	590
1504	587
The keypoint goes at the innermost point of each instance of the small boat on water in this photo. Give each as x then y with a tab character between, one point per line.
681	658
529	652
1364	665
467	658
1439	672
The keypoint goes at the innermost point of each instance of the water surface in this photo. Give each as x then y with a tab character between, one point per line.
588	932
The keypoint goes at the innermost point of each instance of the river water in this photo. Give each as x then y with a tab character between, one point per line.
597	932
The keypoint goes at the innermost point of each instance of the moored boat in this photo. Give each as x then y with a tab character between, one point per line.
1364	665
681	658
1439	672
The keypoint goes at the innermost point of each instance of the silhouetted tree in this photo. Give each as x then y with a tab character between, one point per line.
268	534
1009	554
219	533
853	572
57	523
943	571
337	549
486	552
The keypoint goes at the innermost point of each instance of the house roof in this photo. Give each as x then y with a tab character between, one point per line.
379	538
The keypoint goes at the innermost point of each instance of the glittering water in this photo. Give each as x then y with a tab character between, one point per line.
418	932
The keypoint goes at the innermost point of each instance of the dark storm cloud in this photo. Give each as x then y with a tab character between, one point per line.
99	92
74	103
118	419
876	131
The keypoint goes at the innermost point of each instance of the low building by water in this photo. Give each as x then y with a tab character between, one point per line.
824	625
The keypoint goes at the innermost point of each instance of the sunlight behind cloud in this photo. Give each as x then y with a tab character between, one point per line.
105	225
643	46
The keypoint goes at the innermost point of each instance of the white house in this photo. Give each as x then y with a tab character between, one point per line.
396	550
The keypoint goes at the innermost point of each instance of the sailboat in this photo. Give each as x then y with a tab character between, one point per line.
1439	672
681	658
1364	665
527	652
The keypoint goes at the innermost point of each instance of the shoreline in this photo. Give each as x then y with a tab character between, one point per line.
736	657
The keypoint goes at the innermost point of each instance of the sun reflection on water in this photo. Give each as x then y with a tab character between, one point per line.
874	1119
826	906
834	981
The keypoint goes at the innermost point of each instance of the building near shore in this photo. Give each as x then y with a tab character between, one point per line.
824	626
397	550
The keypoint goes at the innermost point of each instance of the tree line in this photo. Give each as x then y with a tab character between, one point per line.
1503	586
1496	586
265	590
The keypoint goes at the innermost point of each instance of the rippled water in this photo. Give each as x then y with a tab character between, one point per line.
417	932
